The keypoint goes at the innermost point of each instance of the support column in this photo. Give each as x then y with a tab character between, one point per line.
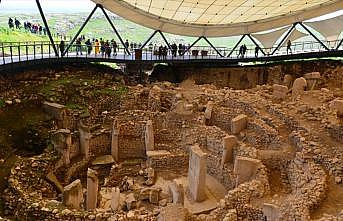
212	46
72	195
47	27
149	136
92	189
149	39
197	174
253	40
115	141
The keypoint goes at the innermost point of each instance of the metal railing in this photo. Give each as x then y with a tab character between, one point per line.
12	52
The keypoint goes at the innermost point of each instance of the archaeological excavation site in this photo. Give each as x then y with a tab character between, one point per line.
252	143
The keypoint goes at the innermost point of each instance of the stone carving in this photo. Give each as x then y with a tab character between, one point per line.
197	174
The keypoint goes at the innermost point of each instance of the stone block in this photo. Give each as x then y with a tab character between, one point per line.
280	91
239	123
115	141
245	169
85	136
115	200
149	136
197	174
173	212
287	80
57	111
208	111
62	142
337	105
176	192
73	195
92	189
271	212
229	142
299	87
231	215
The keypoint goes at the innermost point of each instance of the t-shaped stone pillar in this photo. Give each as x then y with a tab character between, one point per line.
85	136
228	144
197	174
115	141
115	200
62	142
92	189
149	136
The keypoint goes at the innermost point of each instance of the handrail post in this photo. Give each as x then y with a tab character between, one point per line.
11	53
19	52
27	52
3	53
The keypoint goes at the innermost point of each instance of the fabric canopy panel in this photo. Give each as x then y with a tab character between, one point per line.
330	28
218	18
269	39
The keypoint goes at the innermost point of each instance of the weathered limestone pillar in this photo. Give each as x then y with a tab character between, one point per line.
62	142
149	136
239	123
208	112
115	201
271	212
85	136
280	91
299	86
229	142
312	79
92	189
287	81
245	169
115	141
337	105
72	195
176	192
58	112
197	174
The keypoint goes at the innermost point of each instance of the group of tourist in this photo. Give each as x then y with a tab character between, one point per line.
28	26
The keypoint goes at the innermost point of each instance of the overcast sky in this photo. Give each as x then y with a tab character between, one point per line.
52	6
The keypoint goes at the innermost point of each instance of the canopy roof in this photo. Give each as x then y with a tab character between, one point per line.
216	18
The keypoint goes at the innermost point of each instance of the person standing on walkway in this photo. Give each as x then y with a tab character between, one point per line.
78	46
257	49
62	46
114	47
97	47
289	45
102	47
126	46
89	46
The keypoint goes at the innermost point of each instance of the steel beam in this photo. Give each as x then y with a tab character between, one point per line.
284	38
212	46
188	48
339	45
82	27
315	37
164	38
114	28
149	39
47	27
253	40
234	48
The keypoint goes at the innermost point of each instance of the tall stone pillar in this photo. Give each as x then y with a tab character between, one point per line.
72	195
197	174
115	200
115	141
85	136
149	136
229	142
62	142
92	189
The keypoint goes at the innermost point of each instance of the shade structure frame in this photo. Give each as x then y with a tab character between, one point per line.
139	16
86	22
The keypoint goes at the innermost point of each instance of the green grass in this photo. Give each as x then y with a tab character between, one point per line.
118	92
2	103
